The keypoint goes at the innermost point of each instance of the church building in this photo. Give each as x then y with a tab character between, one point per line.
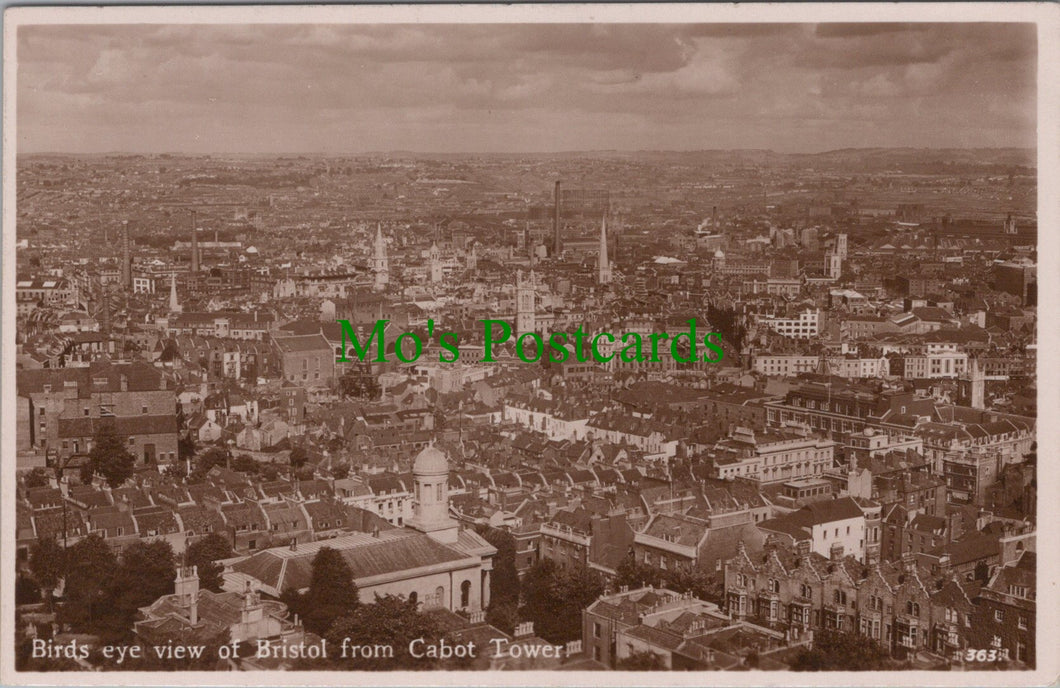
432	560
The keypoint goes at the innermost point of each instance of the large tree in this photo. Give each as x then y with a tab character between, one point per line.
701	584
38	477
109	457
834	651
47	563
331	594
504	581
298	457
145	573
554	598
214	456
392	621
90	568
634	574
203	554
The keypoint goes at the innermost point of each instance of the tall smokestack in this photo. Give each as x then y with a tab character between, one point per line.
126	257
194	243
557	246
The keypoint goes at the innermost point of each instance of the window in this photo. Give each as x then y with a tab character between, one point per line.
143	410
465	594
1022	622
995	641
999	615
596	629
774	585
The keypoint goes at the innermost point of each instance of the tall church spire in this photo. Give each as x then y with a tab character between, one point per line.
174	304
603	265
380	264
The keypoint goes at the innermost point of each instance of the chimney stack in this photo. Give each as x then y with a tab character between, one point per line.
126	257
194	243
556	245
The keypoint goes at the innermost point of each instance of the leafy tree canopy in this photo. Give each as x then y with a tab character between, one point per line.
109	457
203	554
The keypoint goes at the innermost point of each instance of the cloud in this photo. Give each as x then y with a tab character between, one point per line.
246	88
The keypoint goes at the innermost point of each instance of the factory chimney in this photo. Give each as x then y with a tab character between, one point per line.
557	245
126	257
194	243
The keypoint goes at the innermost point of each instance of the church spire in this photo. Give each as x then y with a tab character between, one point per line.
174	304
380	264
603	265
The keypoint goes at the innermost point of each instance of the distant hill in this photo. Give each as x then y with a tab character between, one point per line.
927	160
851	160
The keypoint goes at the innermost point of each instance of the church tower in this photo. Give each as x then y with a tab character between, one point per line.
603	265
835	265
972	386
430	475
380	264
525	306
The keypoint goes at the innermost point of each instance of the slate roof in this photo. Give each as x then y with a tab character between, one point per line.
394	550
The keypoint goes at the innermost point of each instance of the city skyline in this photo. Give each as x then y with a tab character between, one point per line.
791	88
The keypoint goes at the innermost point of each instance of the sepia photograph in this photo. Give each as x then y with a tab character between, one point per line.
533	339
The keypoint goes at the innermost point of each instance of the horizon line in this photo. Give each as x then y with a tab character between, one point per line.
557	152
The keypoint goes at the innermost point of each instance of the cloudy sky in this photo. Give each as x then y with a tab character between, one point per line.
508	88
